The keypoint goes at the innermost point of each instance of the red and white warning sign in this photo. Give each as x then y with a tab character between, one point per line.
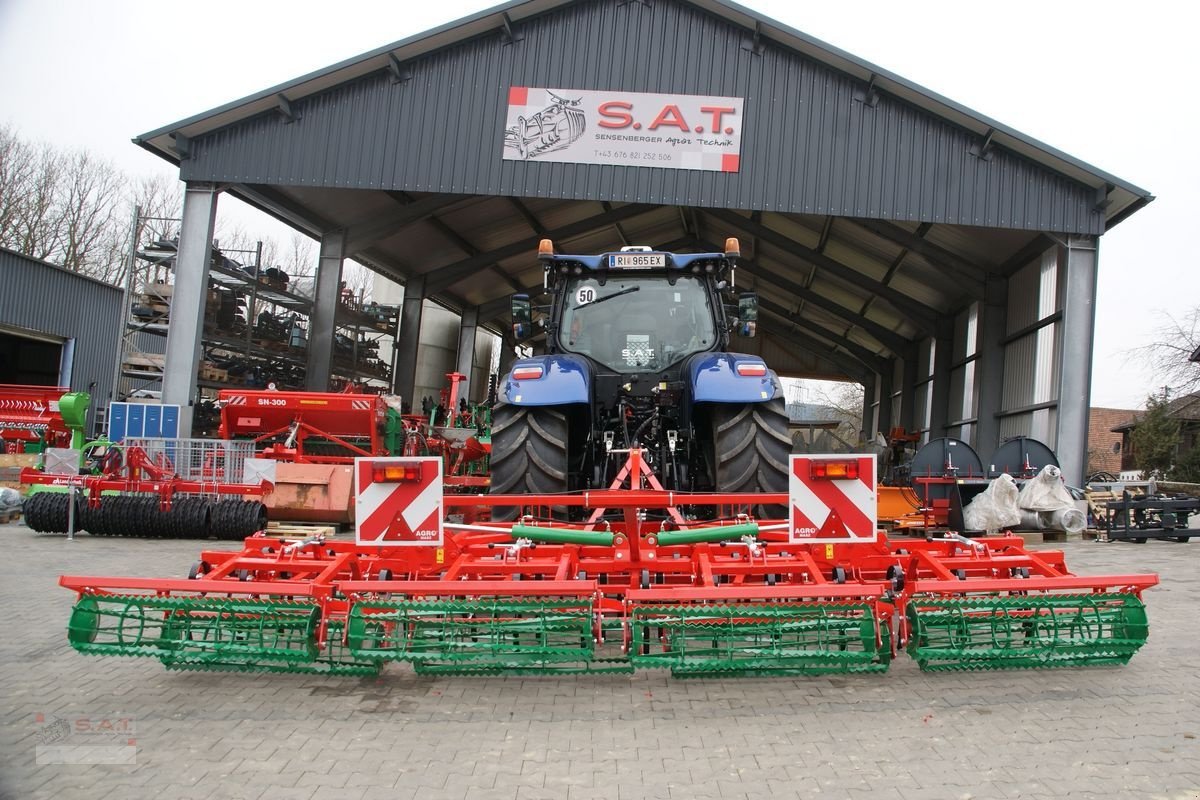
398	501
833	499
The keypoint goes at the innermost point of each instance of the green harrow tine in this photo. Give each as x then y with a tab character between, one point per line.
195	630
1025	631
760	640
509	634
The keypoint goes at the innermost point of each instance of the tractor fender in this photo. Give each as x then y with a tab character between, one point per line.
564	379
714	378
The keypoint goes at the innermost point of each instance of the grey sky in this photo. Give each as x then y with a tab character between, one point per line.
1103	81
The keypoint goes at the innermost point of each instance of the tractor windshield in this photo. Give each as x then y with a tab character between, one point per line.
636	322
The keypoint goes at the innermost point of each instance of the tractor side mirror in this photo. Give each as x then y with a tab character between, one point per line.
522	317
747	314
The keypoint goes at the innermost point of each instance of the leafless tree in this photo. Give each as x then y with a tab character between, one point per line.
16	166
61	206
88	220
1169	354
30	175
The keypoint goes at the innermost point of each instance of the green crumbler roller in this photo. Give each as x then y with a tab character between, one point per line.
1025	631
335	659
483	635
777	639
195	630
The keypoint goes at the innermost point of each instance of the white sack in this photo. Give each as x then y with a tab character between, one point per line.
995	508
1046	492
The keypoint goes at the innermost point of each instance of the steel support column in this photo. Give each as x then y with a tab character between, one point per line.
408	341
466	348
319	365
508	354
989	375
908	391
939	395
187	304
1075	370
883	414
866	429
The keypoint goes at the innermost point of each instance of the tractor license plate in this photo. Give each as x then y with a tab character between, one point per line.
636	260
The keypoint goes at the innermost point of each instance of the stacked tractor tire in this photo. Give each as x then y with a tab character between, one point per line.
142	516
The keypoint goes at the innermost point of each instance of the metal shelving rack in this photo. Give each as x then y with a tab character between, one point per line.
151	267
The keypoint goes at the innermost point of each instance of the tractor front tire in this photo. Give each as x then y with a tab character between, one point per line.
529	454
752	451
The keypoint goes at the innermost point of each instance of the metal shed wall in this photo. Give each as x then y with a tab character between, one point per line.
814	140
72	307
1032	357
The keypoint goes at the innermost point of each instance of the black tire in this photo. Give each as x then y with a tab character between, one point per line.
88	518
751	451
529	454
34	510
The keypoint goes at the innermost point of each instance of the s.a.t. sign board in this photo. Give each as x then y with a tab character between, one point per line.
634	129
398	501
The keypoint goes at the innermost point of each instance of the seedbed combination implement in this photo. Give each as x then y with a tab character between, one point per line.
643	513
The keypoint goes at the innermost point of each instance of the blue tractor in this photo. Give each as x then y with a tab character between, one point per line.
636	355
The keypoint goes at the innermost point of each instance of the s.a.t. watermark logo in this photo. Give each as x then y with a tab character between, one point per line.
85	739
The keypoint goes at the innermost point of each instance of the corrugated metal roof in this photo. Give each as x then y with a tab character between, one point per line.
868	207
838	73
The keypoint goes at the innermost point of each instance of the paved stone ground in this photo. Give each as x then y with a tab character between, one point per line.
1127	732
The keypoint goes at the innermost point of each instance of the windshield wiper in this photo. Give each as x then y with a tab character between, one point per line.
609	297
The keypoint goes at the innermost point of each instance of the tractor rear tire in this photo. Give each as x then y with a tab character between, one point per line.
752	451
529	454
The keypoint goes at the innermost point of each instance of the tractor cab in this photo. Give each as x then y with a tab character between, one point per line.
635	322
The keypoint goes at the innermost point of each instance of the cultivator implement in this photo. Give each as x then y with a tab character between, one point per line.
659	579
156	488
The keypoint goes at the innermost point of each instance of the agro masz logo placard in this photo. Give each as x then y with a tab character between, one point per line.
635	129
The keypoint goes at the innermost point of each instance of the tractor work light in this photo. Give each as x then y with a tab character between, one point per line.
833	470
531	373
751	369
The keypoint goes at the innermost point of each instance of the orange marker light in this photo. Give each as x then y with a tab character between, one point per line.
396	473
833	470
